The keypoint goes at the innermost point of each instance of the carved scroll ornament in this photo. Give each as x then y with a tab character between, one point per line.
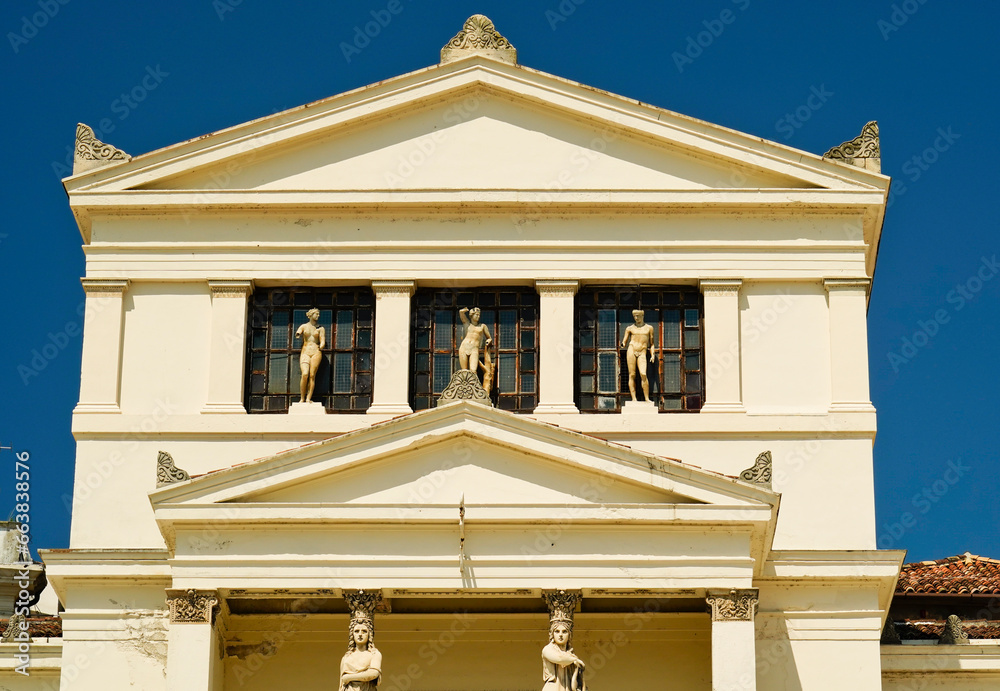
479	36
865	145
193	606
760	472
464	386
166	472
15	628
953	633
735	605
90	152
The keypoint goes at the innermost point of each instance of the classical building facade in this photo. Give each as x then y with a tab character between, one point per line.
715	530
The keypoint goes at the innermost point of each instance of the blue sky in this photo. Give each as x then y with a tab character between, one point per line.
805	74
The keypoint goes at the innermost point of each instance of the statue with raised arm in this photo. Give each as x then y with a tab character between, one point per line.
313	341
361	666
640	340
477	337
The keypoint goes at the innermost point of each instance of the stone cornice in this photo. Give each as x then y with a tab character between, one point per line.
107	287
229	288
733	605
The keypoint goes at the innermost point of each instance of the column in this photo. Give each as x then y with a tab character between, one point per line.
194	645
556	349
228	347
734	661
848	300
390	395
100	378
722	346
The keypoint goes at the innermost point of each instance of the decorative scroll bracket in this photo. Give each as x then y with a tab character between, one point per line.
479	37
862	151
760	472
166	472
464	386
89	152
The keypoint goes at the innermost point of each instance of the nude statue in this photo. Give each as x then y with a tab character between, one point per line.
468	350
562	670
313	341
361	666
640	339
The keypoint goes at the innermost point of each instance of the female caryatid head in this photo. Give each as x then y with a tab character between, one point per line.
313	314
561	633
362	634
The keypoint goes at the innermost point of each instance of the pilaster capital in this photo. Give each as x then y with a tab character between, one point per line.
393	288
720	286
554	287
104	287
230	288
847	284
734	604
193	606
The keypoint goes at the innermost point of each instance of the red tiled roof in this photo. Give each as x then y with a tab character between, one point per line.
967	574
40	626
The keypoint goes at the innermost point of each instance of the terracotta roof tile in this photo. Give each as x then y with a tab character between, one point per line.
967	574
40	626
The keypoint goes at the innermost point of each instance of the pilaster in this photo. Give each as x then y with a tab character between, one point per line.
734	657
100	378
556	346
848	301
723	392
228	347
194	647
390	393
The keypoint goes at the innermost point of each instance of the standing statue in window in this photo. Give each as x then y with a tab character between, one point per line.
313	341
640	339
468	351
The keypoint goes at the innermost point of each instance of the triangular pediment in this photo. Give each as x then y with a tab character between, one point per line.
464	450
476	124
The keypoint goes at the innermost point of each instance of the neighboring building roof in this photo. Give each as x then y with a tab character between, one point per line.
911	630
40	626
966	574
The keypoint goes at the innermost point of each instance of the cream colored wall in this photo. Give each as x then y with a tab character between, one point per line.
471	652
165	349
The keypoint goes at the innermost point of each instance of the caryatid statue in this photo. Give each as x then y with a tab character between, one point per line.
562	670
361	666
313	341
640	339
477	337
